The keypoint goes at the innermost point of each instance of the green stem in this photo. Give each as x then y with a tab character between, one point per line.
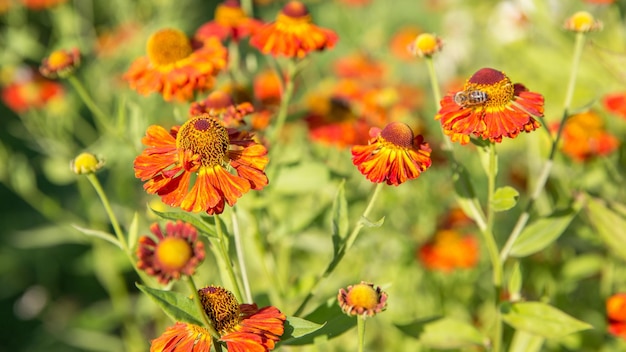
107	207
240	257
285	100
198	301
343	249
223	250
547	168
100	116
360	324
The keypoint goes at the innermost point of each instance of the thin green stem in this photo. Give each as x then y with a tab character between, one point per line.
547	168
100	116
285	100
107	207
360	324
434	83
343	249
490	241
241	257
198	301
223	250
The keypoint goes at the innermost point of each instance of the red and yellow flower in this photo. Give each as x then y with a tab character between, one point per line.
242	327
29	90
230	22
363	299
293	34
169	255
175	67
267	88
449	250
616	314
188	166
221	104
393	155
503	109
60	64
401	40
584	136
615	103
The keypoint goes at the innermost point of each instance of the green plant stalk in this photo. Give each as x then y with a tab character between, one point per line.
196	298
360	325
343	249
100	116
547	168
107	207
285	100
241	257
223	251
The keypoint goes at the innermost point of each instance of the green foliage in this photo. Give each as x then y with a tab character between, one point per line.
541	319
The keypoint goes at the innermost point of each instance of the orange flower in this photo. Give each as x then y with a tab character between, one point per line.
41	4
267	88
171	254
202	147
115	41
359	66
615	103
61	63
176	67
616	314
449	250
584	137
401	40
490	107
425	45
363	299
230	22
222	104
30	91
393	155
293	34
183	337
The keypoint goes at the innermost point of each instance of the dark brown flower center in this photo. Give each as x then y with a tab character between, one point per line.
399	134
221	306
168	46
205	136
495	84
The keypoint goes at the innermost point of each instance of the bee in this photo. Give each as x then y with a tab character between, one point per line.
470	98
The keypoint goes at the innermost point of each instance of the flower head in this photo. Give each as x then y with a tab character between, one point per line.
86	163
175	67
490	107
29	90
425	45
244	327
616	314
362	299
202	147
60	64
582	21
293	34
584	137
401	40
230	22
219	103
393	155
449	250
170	254
267	88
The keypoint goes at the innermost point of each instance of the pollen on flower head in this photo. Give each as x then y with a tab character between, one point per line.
221	307
168	46
425	44
362	299
205	136
582	21
86	163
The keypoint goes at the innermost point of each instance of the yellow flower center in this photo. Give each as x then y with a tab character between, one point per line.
206	137
582	21
173	253
363	296
498	87
168	46
221	307
85	163
398	133
426	43
58	58
229	13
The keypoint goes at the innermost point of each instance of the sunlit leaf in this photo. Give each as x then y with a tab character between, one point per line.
297	327
541	319
526	342
340	223
515	281
176	305
505	198
99	234
444	333
335	322
368	223
199	224
133	230
541	233
609	225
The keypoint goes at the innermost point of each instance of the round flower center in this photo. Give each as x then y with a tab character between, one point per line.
399	134
58	58
204	136
497	86
295	9
582	21
426	43
168	46
221	306
173	253
229	13
363	296
85	163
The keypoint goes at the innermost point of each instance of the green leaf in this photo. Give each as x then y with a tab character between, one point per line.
484	156
526	342
444	333
339	218
199	224
541	233
465	194
368	223
297	327
541	319
334	321
515	282
133	231
99	234
176	305
609	225
505	198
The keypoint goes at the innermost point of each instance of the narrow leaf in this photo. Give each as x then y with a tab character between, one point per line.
609	226
444	333
200	225
368	223
297	327
339	218
99	234
334	322
133	231
515	282
176	305
541	319
526	342
541	233
505	198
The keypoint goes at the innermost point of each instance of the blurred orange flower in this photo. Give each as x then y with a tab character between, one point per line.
615	103
29	90
490	107
60	63
401	41
449	250
616	314
199	152
359	66
219	103
268	88
584	137
293	34
393	155
176	67
41	4
111	42
230	22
